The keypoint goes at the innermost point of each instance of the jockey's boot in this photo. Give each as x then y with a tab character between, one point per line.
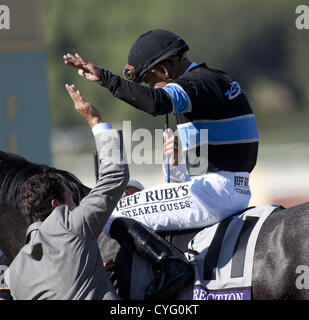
173	269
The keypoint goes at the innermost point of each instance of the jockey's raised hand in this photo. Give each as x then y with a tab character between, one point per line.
84	108
85	69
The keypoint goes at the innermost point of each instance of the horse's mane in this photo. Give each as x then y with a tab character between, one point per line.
15	170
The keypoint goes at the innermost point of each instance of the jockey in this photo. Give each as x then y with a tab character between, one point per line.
132	187
215	123
216	127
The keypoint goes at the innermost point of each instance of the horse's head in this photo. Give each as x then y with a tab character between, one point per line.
14	171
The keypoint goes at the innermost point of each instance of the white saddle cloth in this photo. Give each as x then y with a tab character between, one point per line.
223	256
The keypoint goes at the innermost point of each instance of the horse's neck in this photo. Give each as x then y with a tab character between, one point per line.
12	233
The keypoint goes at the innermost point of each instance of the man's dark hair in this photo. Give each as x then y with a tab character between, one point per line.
36	195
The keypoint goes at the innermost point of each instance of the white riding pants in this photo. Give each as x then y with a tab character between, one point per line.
200	202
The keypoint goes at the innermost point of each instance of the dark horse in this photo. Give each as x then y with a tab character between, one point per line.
282	245
14	170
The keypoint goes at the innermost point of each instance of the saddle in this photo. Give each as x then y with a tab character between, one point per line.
213	250
180	238
223	255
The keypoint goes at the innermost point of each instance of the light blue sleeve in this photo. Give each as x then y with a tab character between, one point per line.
180	99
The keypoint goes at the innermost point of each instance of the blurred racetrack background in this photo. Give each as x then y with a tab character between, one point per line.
255	41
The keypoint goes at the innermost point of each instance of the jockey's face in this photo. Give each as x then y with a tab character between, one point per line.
129	190
155	78
161	74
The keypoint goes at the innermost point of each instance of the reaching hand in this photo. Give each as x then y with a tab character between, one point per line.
85	69
86	110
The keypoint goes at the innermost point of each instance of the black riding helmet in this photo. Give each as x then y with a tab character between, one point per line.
151	48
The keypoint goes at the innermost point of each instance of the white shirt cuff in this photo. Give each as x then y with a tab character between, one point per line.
99	127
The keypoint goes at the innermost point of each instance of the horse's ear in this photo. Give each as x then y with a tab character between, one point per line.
12	157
